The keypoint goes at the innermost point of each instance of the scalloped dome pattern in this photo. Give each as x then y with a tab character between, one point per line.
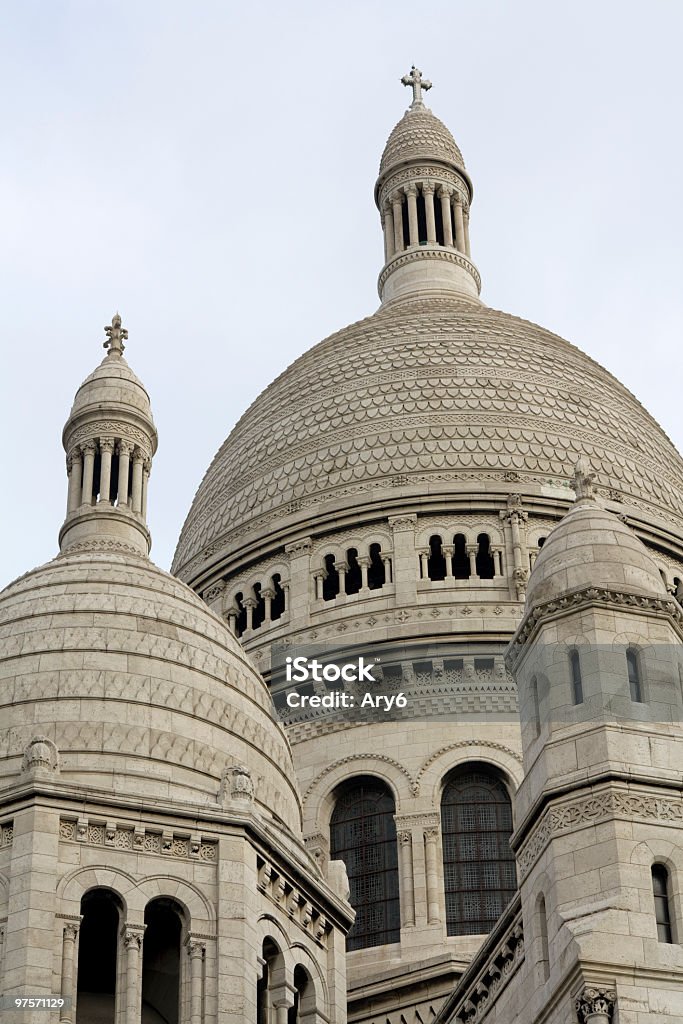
429	394
112	382
419	135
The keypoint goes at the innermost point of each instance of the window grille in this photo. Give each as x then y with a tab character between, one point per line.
479	866
660	890
363	835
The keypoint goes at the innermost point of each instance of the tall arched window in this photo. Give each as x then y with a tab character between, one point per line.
485	565
660	891
635	683
331	580
577	681
102	913
161	961
479	866
436	563
353	577
377	574
543	953
461	560
363	835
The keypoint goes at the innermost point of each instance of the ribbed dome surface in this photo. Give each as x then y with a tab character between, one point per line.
142	689
591	547
419	135
112	383
426	398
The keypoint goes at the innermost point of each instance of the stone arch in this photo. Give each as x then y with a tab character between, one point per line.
268	928
658	850
72	888
318	800
199	909
437	766
304	958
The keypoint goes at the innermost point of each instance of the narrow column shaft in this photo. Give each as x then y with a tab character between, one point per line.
132	944
125	451
137	480
281	1012
445	197
428	193
250	604
397	209
533	555
146	466
75	480
67	988
472	555
89	449
364	563
497	568
447	551
106	452
411	193
319	580
342	568
267	594
516	540
232	620
466	219
196	953
405	840
388	225
424	563
459	224
433	902
388	569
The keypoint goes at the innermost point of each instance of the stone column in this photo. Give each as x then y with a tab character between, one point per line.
268	594
388	227
431	840
411	193
67	990
106	452
132	942
232	621
514	518
405	577
466	218
125	451
138	459
424	563
407	881
497	567
75	467
299	555
388	572
447	551
89	449
249	603
319	578
445	197
146	469
428	193
533	555
596	1005
472	555
196	953
459	224
364	563
397	209
342	568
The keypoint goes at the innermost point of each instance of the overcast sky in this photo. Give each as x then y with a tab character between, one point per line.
207	169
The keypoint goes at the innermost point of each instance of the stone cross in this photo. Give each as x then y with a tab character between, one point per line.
418	83
584	480
116	335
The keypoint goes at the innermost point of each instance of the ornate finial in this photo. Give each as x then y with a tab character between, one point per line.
418	83
583	480
116	335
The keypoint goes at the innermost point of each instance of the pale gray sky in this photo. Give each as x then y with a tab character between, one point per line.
207	169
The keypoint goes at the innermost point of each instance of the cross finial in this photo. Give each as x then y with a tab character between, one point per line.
583	481
116	335
418	83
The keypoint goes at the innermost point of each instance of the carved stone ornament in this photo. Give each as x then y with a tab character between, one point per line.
40	753
236	784
596	1005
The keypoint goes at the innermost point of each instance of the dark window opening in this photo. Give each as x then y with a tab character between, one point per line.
354	574
241	620
479	866
461	560
97	955
485	566
377	574
96	476
363	835
114	481
277	606
161	961
436	563
438	217
541	541
258	612
577	682
543	935
634	680
331	580
406	224
421	219
660	890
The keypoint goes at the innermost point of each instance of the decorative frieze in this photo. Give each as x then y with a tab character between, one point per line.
291	901
6	834
482	990
137	839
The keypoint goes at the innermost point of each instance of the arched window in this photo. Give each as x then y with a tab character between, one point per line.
485	567
331	580
543	953
353	577
277	606
271	984
479	866
241	620
161	961
102	913
634	677
461	560
377	574
259	610
304	998
436	563
363	835
541	541
660	891
535	707
577	682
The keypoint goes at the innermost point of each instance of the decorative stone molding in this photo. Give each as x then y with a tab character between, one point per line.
214	591
349	759
280	890
6	834
482	987
237	786
596	1005
137	839
40	754
426	253
299	547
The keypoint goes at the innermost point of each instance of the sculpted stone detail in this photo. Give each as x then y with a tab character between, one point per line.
420	135
360	757
499	967
465	743
300	907
6	834
437	252
40	753
110	428
136	838
236	785
596	1005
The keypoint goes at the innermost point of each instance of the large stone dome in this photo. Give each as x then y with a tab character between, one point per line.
425	402
141	689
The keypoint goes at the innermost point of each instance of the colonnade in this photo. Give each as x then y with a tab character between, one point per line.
454	218
131	487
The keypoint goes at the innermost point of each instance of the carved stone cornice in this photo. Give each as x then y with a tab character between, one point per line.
426	253
407	522
431	172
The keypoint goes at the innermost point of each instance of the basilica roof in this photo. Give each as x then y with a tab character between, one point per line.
427	400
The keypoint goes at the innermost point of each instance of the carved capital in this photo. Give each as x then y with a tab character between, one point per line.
195	948
107	444
595	1002
70	932
410	190
444	192
132	939
408	522
427	188
138	456
405	837
125	448
89	448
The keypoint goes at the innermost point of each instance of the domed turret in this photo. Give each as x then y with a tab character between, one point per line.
423	194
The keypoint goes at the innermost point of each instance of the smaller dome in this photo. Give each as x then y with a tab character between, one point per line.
592	547
419	135
112	383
